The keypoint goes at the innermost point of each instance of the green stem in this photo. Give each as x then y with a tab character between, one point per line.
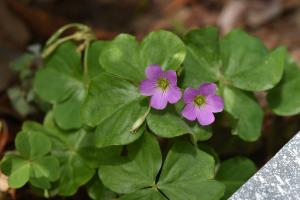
85	60
48	50
60	31
85	35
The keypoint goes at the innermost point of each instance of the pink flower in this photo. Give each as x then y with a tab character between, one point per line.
202	103
161	86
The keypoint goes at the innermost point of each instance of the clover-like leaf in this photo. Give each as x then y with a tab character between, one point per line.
168	124
113	102
202	61
163	48
122	58
75	170
59	81
245	109
137	171
234	173
128	59
63	83
240	52
265	75
237	61
31	161
145	194
93	58
46	167
188	174
97	191
42	183
20	172
77	154
283	99
246	63
32	144
135	175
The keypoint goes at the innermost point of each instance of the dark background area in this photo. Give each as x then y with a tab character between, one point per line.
27	22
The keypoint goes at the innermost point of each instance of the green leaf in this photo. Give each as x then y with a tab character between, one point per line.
20	173
32	144
283	99
238	59
42	183
144	194
200	133
122	58
128	59
113	105
97	191
234	173
60	81
137	171
61	74
202	60
196	183
67	112
263	76
6	164
74	173
93	61
211	151
47	166
245	109
168	123
67	147
95	157
241	52
163	48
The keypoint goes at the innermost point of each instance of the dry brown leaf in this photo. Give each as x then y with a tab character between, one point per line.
3	136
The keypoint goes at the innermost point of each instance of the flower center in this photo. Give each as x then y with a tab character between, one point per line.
163	83
200	100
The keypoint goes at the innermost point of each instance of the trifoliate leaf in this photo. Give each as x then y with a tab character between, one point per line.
283	99
113	102
188	174
137	171
234	173
245	109
128	59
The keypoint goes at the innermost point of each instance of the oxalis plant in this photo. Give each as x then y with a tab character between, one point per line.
128	118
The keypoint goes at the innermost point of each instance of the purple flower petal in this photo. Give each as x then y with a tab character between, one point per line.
205	116
173	94
154	72
171	76
215	103
207	89
189	112
159	100
147	87
189	95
